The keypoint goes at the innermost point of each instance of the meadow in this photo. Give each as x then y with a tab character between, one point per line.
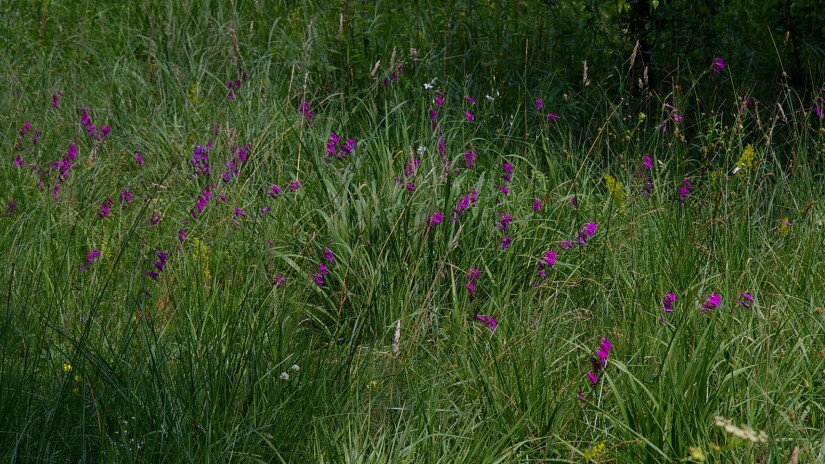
353	232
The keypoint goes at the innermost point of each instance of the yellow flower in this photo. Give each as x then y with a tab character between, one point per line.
67	367
746	160
202	257
616	189
77	378
696	454
192	95
593	453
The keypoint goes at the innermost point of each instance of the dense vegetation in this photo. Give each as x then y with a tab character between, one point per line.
461	231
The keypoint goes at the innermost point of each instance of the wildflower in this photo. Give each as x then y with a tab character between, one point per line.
154	219
711	303
105	208
200	160
667	303
328	255
305	111
160	263
696	453
470	116
745	300
594	453
508	172
433	119
464	203
470	100
274	191
746	160
238	213
506	241
547	261
421	150
644	174
435	219
647	162
553	117
539	104
181	235
294	185
785	227
743	431
67	367
469	158
279	280
574	201
592	377
125	197
718	65
91	257
439	98
505	221
284	376
489	321
504	189
536	205
587	232
616	189
138	158
56	100
684	191
472	276
295	367
566	245
745	104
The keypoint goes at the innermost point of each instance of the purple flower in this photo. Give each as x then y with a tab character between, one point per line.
439	99
125	197
181	235
506	241
155	219
508	172
504	189
505	221
566	245
575	202
305	111
238	212
56	100
667	303
469	158
160	263
433	118
553	117
294	185
536	205
470	100
105	208
279	280
718	65
593	379
547	262
647	162
138	158
435	219
684	191
464	203
328	255
230	96
274	191
711	303
745	300
473	274
539	104
92	256
587	232
470	116
489	321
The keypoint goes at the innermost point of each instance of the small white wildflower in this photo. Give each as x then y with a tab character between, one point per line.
429	85
295	367
735	170
284	376
488	97
421	149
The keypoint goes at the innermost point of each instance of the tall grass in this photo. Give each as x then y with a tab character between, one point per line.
213	362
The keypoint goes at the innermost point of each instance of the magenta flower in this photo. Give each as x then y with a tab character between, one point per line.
505	221
711	303
647	162
105	208
294	185
279	280
56	100
464	203
181	235
328	255
470	100
547	262
667	303
506	241
92	256
536	205
684	191
718	65
469	158
274	191
470	116
593	379
489	321
138	158
508	172
586	233
566	245
553	117
305	111
539	104
439	98
155	219
435	219
745	300
125	197
575	202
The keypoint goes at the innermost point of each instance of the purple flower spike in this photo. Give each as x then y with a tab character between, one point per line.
745	300
489	321
718	65
711	303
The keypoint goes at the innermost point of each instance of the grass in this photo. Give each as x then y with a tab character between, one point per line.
107	364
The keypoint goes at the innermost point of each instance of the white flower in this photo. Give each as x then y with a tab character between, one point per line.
295	367
284	376
735	170
429	85
421	150
489	97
